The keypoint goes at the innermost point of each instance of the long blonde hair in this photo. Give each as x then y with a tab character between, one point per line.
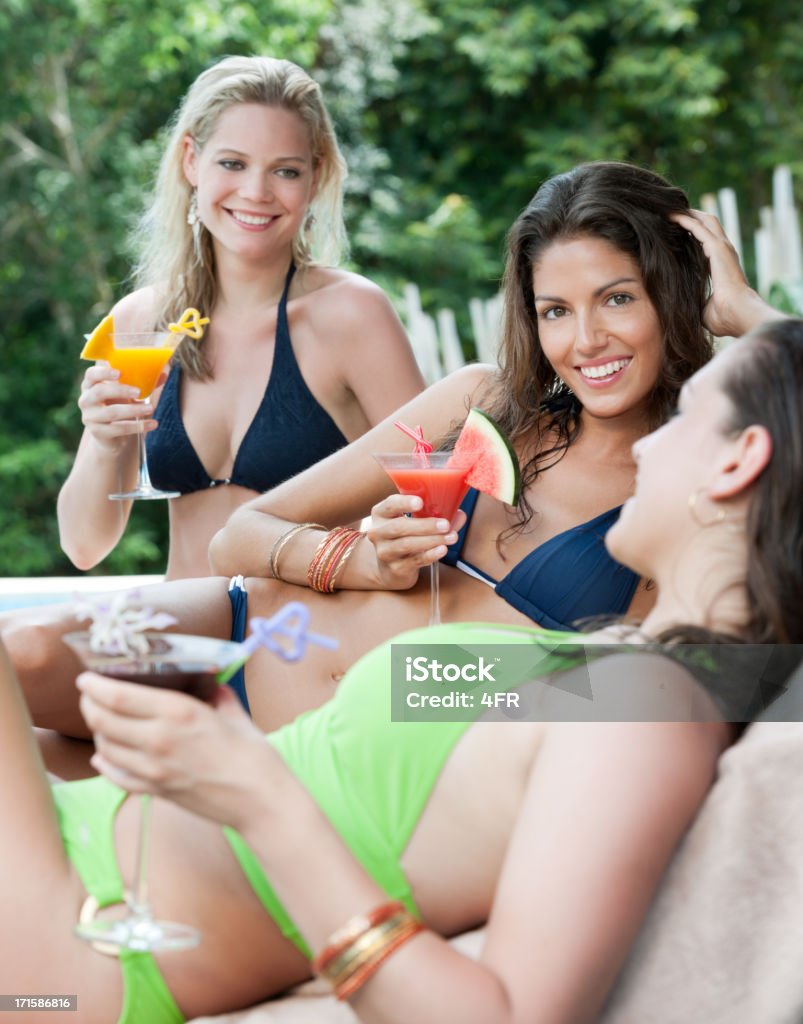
182	273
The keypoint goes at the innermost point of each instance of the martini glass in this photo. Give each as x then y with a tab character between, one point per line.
176	662
440	481
140	358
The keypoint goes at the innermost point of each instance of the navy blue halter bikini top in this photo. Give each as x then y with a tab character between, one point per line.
567	578
289	432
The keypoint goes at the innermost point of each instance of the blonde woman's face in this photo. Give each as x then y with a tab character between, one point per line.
255	178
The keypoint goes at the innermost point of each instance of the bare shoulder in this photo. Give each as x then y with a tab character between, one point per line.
342	298
478	382
453	395
136	310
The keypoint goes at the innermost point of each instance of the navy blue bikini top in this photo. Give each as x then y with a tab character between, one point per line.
567	578
289	432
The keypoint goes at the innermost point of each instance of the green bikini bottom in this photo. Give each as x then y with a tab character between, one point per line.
373	776
86	812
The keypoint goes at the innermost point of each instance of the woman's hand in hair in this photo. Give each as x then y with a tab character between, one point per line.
734	307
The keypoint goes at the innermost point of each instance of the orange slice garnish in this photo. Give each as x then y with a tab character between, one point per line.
100	343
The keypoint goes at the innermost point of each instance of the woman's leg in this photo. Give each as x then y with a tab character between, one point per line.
40	894
192	871
65	757
47	668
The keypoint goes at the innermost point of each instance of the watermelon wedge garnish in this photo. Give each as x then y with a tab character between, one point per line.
494	465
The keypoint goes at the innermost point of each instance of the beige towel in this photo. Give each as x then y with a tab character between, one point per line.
723	943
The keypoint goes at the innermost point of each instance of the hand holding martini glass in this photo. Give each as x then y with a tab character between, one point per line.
482	458
123	642
140	357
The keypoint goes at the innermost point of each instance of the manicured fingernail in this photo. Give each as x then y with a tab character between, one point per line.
442	525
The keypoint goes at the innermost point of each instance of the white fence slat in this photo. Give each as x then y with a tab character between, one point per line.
787	226
486	322
762	241
452	356
730	218
422	334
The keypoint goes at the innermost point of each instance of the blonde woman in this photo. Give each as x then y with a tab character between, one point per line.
245	224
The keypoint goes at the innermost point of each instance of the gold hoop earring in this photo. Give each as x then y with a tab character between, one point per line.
695	512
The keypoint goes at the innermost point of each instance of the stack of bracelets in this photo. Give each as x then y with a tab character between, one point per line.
357	949
330	556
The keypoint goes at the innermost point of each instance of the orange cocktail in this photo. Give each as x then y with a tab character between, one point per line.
140	358
140	367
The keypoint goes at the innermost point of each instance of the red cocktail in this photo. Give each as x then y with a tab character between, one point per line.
439	479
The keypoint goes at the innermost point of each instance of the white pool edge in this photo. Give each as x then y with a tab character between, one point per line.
27	586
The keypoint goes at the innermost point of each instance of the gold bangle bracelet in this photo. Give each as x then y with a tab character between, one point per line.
339	940
344	557
280	542
363	946
346	987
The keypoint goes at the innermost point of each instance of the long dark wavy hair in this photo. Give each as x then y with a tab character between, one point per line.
628	207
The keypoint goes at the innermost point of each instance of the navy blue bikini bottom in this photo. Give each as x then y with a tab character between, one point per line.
239	621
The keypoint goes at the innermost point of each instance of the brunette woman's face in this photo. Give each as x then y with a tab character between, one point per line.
679	459
597	325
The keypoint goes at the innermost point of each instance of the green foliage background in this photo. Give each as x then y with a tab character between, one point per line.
451	112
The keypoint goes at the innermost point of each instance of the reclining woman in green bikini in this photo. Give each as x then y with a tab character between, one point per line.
597	274
346	812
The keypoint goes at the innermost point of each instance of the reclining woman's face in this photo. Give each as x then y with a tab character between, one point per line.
680	459
597	325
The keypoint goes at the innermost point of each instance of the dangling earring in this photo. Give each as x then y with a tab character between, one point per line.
192	213
695	512
309	221
194	221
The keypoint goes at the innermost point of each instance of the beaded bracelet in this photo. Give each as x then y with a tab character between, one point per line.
280	542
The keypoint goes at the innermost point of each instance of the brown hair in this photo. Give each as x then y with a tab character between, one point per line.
765	387
628	207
